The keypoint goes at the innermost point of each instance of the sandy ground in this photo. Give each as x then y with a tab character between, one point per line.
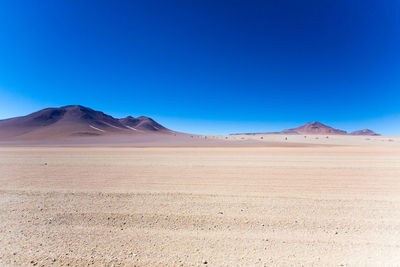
188	140
231	206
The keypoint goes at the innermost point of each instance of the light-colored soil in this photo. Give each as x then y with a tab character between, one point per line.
233	206
187	140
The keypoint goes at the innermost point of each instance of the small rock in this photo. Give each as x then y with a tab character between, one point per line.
204	262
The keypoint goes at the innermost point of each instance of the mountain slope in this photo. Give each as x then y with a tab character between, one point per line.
142	123
74	120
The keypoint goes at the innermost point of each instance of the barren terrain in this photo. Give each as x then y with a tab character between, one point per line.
202	206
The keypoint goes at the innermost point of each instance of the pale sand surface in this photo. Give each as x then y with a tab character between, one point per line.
188	140
227	206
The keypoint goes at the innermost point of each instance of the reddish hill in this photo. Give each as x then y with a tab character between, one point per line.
307	129
314	128
365	132
74	120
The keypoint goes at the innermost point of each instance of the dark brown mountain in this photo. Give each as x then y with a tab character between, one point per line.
365	132
74	120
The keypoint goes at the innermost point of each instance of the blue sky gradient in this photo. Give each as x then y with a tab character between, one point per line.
211	67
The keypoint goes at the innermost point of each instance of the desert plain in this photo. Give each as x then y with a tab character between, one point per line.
315	203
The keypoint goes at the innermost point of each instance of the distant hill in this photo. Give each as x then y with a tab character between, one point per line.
365	132
74	120
315	128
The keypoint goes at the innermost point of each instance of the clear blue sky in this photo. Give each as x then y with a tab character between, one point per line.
207	66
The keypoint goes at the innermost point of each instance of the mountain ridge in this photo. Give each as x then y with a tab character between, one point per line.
75	120
365	132
315	128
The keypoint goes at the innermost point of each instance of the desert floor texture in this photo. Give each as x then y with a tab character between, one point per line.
200	206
